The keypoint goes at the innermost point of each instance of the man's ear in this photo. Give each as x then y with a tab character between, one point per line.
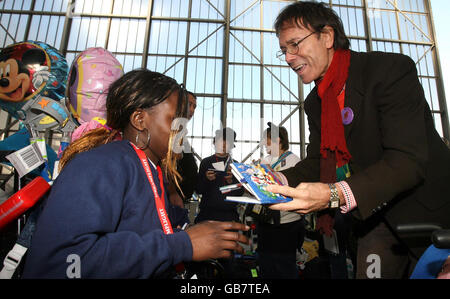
327	34
137	119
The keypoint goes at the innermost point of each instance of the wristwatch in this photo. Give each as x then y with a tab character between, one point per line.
334	197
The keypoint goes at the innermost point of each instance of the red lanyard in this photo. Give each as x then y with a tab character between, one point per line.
160	204
159	200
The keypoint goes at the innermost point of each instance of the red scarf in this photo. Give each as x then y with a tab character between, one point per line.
333	147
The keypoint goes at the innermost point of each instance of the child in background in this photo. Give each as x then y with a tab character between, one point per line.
280	237
213	205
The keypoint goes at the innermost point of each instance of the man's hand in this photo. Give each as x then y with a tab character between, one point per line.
306	197
214	239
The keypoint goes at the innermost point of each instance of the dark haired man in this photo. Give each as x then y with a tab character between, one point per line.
373	147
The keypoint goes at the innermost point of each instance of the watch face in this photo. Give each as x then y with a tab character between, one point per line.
334	204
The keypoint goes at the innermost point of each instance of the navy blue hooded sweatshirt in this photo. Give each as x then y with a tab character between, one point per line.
102	209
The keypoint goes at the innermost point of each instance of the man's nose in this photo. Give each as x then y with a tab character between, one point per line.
289	57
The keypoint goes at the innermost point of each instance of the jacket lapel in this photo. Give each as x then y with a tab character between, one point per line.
353	91
313	107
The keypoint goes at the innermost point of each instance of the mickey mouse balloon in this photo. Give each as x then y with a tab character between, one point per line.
29	69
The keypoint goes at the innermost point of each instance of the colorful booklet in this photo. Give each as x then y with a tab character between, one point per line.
254	178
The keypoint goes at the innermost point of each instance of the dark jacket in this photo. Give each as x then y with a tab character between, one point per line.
102	209
400	165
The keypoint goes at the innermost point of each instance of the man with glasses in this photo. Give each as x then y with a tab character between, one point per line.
374	159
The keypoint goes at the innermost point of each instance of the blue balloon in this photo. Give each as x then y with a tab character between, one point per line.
29	69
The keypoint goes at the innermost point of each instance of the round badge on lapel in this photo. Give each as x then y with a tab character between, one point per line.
347	115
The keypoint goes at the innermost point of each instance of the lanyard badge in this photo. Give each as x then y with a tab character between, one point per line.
281	159
160	204
159	200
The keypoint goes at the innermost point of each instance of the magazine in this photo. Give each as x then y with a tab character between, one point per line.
254	178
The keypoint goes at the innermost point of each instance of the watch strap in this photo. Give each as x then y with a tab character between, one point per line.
334	197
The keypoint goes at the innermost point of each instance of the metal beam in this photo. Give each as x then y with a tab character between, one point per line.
438	73
226	52
148	27
186	47
67	27
367	27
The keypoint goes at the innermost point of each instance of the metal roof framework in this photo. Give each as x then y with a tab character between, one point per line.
224	51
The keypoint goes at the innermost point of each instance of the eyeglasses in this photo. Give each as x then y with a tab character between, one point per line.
291	48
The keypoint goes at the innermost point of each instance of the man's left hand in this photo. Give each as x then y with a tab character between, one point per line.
306	197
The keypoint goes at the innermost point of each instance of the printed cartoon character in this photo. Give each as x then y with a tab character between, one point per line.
28	70
20	78
33	78
91	74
